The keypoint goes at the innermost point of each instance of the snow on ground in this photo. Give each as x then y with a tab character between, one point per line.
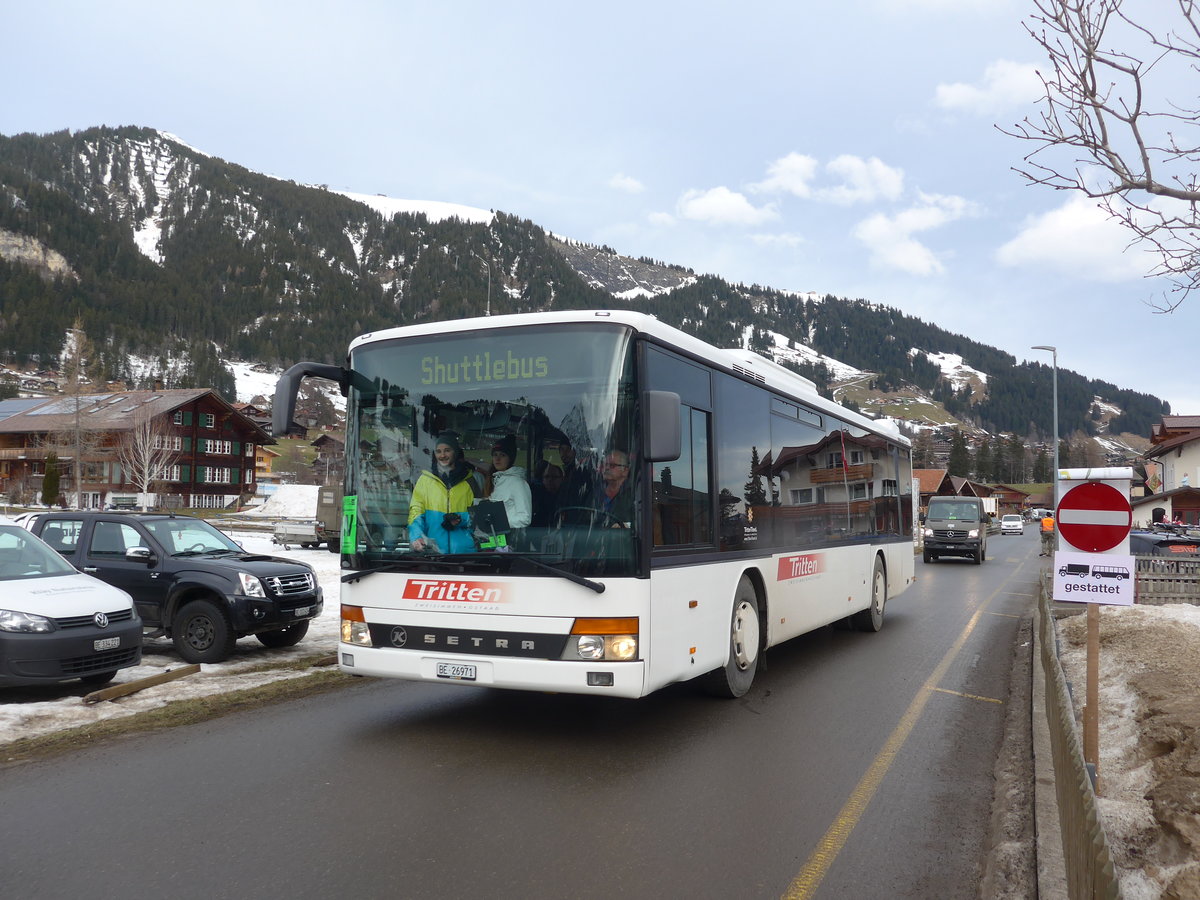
956	371
289	501
31	712
253	381
434	210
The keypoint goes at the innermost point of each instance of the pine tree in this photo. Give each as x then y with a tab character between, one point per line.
50	481
960	461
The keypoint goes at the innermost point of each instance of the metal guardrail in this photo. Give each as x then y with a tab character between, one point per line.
1089	865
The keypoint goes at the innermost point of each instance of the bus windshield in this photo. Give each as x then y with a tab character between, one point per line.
493	445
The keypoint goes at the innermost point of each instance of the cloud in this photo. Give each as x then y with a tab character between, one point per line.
863	181
1006	85
626	183
890	238
721	206
788	175
783	239
660	218
1077	239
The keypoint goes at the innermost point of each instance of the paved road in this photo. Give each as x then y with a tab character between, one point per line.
859	766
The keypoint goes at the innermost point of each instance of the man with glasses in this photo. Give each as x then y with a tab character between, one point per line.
614	494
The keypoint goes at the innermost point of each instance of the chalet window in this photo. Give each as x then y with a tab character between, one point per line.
858	491
172	473
209	420
857	457
889	488
219	447
834	460
177	418
216	475
249	476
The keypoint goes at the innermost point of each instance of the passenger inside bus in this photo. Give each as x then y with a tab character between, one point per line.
545	496
438	516
508	486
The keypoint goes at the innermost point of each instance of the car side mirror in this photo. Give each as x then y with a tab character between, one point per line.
140	554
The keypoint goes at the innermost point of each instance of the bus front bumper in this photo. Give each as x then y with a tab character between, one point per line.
626	679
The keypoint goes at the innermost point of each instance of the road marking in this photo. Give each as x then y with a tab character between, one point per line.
806	882
969	696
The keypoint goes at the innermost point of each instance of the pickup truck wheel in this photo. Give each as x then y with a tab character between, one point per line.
284	637
202	633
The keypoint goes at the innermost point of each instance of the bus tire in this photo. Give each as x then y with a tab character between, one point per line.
734	679
926	556
871	618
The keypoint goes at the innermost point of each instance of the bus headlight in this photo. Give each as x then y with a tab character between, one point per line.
928	532
605	640
354	626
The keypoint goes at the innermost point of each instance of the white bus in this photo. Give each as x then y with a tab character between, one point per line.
712	505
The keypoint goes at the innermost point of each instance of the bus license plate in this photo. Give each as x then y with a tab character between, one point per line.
457	671
107	643
302	611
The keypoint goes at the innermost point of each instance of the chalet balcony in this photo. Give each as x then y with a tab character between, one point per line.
864	472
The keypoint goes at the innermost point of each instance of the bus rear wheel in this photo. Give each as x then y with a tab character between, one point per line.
734	679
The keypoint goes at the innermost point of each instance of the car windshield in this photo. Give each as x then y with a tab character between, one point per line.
183	537
22	555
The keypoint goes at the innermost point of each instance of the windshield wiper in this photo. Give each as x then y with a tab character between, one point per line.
454	560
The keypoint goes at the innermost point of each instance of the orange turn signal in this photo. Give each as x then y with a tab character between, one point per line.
605	626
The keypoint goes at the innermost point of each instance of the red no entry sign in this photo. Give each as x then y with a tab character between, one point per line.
1094	517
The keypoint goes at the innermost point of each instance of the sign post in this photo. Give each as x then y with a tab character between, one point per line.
1093	519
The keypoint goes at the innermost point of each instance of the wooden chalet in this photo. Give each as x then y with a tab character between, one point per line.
211	447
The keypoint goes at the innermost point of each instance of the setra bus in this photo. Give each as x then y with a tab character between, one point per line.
671	509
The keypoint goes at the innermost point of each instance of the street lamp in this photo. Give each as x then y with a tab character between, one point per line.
487	266
1054	480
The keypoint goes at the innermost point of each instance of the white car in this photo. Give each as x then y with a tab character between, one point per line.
1012	525
57	624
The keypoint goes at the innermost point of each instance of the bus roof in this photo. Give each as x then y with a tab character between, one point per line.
745	363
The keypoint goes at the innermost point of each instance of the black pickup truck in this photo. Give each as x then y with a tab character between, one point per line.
188	580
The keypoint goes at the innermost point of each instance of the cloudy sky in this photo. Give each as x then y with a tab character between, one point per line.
848	148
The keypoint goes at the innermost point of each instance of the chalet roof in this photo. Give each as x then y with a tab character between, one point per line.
14	405
1171	495
1170	426
119	411
965	487
1009	489
1167	444
929	480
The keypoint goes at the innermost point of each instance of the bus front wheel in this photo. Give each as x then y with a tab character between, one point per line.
871	618
733	680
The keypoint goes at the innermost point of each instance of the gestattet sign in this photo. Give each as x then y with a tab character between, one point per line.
1093	517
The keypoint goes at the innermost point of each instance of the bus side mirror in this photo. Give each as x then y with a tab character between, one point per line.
661	413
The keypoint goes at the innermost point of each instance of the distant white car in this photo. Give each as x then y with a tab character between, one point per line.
1012	525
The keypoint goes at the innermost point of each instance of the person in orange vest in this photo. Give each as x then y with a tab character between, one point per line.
1047	535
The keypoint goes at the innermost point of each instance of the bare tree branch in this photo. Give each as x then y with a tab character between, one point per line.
1105	132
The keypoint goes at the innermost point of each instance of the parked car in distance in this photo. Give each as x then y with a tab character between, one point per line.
1163	542
189	581
57	624
1012	525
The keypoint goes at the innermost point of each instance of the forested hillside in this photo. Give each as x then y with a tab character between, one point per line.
175	255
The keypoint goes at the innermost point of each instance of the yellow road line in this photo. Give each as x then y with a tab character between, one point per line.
810	876
969	696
